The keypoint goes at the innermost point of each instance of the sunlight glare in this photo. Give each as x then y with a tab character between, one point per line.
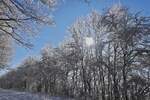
89	41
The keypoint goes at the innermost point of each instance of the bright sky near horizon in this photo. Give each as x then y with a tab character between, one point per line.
64	15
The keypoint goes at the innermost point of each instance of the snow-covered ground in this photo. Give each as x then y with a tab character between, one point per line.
13	95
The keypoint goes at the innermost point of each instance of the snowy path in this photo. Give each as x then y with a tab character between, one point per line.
12	95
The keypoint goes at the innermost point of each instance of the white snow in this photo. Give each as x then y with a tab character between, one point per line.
13	95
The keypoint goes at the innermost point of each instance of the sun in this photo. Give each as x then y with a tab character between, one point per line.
89	41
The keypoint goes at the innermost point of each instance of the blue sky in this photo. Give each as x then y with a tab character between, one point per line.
64	15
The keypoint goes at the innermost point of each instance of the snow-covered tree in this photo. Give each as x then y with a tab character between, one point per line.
105	57
5	50
20	18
